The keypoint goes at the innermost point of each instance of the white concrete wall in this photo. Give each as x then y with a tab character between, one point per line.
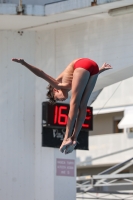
107	150
44	48
109	40
106	121
17	117
115	95
47	184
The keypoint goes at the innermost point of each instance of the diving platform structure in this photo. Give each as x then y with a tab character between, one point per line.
109	184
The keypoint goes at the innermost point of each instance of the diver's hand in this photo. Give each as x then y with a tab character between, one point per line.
105	67
21	61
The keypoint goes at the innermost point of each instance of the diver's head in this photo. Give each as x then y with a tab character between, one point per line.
55	95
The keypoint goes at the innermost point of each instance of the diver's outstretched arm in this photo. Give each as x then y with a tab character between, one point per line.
38	72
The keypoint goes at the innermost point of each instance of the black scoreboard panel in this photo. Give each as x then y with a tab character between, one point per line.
54	121
55	116
53	138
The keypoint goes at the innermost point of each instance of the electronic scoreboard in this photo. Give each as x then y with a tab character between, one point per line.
54	121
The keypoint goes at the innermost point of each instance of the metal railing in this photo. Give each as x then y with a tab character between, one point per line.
109	181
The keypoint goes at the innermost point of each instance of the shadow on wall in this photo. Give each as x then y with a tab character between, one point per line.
130	135
89	160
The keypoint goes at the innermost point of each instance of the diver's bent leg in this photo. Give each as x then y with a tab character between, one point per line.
82	109
80	79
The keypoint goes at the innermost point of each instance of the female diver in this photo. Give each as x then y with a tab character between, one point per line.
80	77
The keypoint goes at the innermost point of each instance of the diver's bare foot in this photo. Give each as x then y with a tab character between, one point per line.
71	147
65	143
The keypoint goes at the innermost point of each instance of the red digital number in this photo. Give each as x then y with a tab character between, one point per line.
56	114
59	117
62	116
87	118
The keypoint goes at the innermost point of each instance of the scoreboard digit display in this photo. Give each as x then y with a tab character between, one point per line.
56	116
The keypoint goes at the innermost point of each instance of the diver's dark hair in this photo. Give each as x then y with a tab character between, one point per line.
50	94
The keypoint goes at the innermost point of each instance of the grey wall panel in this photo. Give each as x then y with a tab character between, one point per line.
16	117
